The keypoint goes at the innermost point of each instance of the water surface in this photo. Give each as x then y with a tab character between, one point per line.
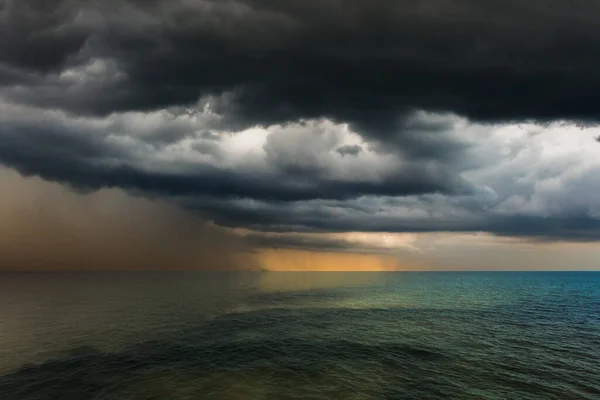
271	335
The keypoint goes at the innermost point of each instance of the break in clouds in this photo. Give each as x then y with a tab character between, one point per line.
315	116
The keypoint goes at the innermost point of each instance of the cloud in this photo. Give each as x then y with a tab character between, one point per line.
540	187
349	150
278	165
345	242
268	63
457	176
309	117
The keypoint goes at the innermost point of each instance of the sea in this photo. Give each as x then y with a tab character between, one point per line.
288	335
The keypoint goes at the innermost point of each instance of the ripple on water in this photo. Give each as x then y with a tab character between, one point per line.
404	339
297	361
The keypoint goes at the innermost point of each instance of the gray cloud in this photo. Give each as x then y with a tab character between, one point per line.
543	188
314	116
311	244
349	150
97	155
281	61
293	177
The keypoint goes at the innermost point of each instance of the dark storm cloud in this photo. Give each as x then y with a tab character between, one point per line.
354	60
381	67
210	181
295	185
282	218
310	243
577	228
87	159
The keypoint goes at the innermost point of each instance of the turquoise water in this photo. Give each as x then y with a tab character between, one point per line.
269	335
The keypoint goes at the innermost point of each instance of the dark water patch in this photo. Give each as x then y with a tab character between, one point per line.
284	365
284	362
297	298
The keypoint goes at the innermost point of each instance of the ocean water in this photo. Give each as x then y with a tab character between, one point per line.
266	335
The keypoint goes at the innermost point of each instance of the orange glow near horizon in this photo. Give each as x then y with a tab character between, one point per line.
300	260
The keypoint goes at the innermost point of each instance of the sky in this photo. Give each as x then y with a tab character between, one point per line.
299	134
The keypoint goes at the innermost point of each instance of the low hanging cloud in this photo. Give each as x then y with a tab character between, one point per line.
47	227
446	173
283	163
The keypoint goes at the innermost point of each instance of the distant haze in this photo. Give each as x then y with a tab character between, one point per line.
47	227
